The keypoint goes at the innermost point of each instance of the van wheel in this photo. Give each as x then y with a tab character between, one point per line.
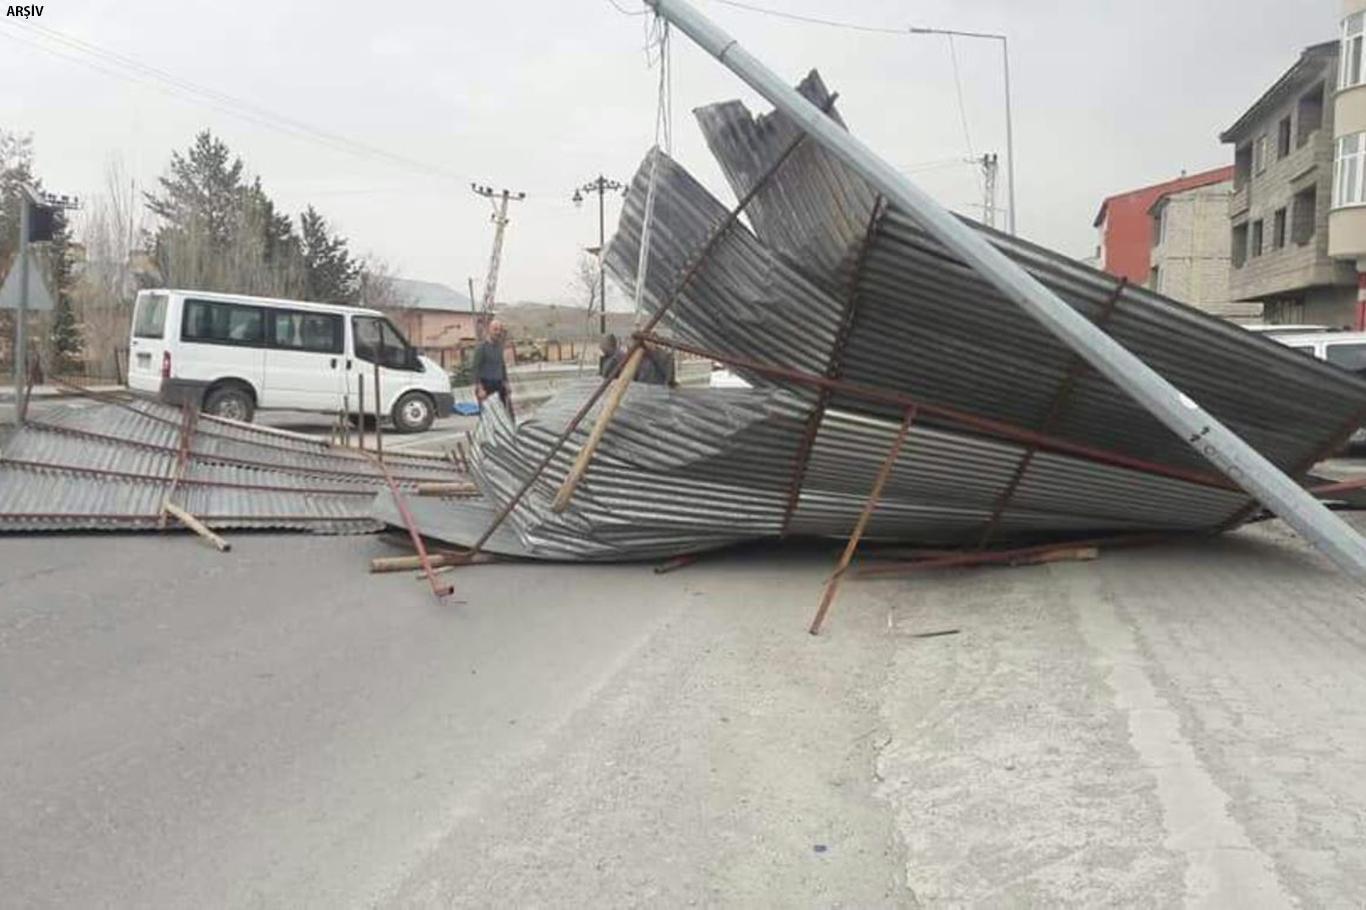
413	413
230	402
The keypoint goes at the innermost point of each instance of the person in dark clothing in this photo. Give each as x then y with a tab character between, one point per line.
657	368
612	356
490	370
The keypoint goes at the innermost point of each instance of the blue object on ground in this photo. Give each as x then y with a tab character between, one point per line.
466	408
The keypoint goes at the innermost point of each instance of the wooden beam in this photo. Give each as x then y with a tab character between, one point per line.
874	495
609	410
194	524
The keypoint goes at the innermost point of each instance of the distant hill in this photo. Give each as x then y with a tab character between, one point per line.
565	323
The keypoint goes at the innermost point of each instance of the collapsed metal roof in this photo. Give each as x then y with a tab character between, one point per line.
110	465
843	314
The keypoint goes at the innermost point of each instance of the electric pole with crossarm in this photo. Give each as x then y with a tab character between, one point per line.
500	223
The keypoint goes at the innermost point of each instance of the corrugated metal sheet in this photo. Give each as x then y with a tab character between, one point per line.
823	279
111	465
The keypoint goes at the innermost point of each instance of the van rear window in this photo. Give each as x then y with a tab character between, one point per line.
150	319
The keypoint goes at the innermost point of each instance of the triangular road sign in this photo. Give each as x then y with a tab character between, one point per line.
39	297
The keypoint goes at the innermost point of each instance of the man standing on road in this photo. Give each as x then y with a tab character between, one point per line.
490	370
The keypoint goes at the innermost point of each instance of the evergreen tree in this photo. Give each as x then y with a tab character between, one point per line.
330	273
64	335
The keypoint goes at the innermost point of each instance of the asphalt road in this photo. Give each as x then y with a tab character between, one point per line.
274	727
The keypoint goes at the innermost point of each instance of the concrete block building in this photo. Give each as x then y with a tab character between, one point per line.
1347	217
1283	195
1190	251
1173	237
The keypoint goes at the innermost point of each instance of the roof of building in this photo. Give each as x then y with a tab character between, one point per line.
430	295
1166	197
1301	73
1147	195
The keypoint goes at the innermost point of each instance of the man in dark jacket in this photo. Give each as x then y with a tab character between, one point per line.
490	370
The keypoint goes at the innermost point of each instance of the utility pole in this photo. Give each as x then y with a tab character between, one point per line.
500	223
600	186
989	167
1010	129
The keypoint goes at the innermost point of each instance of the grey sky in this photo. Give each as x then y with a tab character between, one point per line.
541	96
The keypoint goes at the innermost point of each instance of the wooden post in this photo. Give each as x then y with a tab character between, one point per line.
379	441
194	524
360	410
883	473
571	480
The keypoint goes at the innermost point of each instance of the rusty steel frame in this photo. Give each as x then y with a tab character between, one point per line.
969	559
638	339
221	459
874	495
184	481
984	425
833	369
187	425
441	592
1051	417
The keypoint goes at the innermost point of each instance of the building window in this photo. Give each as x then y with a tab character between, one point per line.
1239	245
1283	138
1304	213
1309	114
1254	246
1259	155
1159	226
1351	50
1155	278
1278	230
1242	167
1349	179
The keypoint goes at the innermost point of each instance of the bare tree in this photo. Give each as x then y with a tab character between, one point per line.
107	282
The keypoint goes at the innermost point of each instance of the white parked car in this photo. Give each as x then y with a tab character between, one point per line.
235	354
1343	349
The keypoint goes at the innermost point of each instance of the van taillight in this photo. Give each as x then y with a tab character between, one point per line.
165	364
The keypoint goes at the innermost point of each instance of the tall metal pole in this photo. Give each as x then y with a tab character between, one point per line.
1242	464
1010	128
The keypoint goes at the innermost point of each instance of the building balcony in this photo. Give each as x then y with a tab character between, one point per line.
1239	200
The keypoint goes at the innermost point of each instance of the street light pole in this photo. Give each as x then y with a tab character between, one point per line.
600	186
1010	128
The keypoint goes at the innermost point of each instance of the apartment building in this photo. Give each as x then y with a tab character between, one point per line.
1347	217
1283	193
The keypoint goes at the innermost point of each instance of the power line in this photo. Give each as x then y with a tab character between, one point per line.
813	20
958	89
112	63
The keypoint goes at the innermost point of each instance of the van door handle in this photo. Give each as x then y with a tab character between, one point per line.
334	363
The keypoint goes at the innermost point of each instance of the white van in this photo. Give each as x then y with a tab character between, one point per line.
1343	349
234	354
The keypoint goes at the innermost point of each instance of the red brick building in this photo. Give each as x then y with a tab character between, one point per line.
1126	225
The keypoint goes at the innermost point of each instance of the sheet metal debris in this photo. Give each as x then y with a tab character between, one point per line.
109	465
842	313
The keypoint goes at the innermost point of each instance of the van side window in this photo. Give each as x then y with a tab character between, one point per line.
150	321
376	340
1348	356
213	322
298	331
